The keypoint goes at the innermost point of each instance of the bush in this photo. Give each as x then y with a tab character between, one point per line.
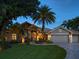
4	44
28	41
14	41
40	41
48	41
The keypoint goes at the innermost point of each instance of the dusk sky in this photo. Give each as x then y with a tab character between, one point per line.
64	9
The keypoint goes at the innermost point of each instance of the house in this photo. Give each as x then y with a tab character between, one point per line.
27	31
59	34
62	35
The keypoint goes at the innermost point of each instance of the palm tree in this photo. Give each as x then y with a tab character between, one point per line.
67	24
44	16
72	24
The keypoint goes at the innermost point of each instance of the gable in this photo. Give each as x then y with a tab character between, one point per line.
60	31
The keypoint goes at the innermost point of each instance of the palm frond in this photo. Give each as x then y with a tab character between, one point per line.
44	15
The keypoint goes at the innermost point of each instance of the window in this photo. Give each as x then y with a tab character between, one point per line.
13	36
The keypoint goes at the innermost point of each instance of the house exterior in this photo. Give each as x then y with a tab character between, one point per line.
59	34
62	35
30	32
11	36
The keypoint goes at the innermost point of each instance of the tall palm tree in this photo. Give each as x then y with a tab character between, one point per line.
44	16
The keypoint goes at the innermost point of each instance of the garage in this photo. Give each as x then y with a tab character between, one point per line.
63	35
60	38
75	39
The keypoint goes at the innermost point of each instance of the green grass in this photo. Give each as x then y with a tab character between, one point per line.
34	52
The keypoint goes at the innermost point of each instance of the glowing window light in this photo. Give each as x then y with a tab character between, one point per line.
49	37
14	36
39	36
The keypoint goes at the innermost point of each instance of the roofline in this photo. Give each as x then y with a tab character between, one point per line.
61	28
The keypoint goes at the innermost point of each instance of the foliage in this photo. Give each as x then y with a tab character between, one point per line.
72	24
4	44
49	42
14	41
11	9
43	16
15	28
40	41
15	8
28	41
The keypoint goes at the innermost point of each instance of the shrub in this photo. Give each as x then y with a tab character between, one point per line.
4	44
48	41
28	41
14	41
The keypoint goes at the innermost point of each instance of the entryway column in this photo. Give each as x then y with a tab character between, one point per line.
49	37
70	38
23	40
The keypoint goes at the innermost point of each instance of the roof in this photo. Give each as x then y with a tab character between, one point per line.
47	30
60	27
74	32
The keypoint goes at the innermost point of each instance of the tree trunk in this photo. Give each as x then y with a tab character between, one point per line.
43	27
43	23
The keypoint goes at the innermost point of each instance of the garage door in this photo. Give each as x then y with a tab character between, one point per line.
75	39
60	38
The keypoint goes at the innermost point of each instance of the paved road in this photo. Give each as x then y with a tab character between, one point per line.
72	50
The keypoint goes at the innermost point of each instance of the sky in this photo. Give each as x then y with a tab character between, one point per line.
64	10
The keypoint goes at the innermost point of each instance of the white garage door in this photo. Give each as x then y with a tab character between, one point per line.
75	39
60	38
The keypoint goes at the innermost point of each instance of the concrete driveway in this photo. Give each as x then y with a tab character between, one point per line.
72	50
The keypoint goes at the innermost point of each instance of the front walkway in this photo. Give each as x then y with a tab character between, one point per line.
72	50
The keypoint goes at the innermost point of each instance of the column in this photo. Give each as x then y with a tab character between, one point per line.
70	38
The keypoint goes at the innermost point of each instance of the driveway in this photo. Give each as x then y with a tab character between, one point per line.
72	50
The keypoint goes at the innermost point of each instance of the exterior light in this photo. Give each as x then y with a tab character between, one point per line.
23	40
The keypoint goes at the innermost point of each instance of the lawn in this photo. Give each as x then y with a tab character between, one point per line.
34	52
